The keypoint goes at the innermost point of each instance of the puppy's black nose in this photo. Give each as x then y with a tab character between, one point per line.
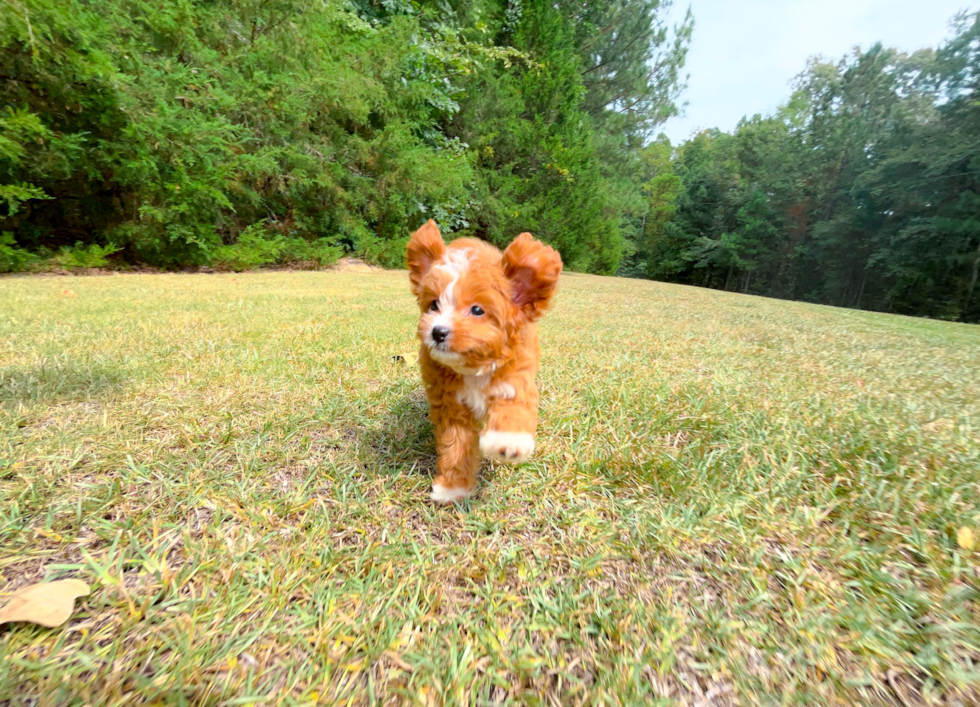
439	334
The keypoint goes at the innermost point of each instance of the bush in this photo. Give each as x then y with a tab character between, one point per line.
387	254
163	127
256	247
81	256
322	252
12	258
252	250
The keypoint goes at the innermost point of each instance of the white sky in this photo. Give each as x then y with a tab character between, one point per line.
745	53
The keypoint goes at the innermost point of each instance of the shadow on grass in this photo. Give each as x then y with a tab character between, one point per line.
402	441
52	380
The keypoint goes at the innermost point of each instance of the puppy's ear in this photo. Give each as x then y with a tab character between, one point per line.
424	248
533	269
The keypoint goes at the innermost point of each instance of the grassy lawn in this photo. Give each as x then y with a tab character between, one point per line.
735	501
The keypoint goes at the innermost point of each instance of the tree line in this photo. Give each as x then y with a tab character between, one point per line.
238	133
863	190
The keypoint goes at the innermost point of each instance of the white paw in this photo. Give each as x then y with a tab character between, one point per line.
444	494
512	447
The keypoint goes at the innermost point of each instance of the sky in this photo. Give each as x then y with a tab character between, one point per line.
745	53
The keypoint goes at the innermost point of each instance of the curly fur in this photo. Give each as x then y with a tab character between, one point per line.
480	378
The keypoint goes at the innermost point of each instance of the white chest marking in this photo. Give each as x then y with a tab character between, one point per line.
473	394
503	390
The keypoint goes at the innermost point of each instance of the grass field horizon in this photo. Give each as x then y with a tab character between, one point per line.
735	500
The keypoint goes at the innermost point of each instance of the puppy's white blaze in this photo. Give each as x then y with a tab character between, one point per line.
454	262
503	390
443	494
473	394
511	447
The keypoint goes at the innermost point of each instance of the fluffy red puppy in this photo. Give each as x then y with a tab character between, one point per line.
480	349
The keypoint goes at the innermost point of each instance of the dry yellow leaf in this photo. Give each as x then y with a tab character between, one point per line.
47	604
966	538
427	696
409	359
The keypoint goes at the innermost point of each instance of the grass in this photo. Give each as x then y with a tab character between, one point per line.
735	501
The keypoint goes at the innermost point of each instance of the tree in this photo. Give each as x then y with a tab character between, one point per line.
172	129
861	191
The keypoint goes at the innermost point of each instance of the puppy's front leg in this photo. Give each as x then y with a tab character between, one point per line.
510	428
459	457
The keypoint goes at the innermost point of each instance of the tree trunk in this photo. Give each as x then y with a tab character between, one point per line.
973	282
748	279
864	281
728	278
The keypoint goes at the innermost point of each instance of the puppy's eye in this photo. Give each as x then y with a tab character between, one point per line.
434	307
476	310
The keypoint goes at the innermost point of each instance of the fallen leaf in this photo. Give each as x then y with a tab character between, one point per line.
69	293
47	604
407	358
427	695
357	306
966	538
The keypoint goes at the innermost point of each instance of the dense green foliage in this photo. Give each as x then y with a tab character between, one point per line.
241	133
862	191
244	132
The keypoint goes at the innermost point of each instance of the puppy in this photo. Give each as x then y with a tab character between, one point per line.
480	351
